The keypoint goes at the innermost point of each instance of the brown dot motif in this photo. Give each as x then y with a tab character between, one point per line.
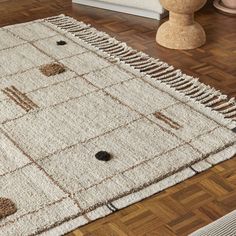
7	207
52	69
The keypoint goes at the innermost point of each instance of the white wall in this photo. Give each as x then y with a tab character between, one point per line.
146	8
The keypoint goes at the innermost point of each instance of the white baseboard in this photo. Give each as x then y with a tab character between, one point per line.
125	9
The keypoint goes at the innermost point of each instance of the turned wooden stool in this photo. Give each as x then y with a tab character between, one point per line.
181	31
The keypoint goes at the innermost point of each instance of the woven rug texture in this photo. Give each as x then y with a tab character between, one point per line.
68	91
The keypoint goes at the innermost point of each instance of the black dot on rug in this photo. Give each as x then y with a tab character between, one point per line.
103	156
61	42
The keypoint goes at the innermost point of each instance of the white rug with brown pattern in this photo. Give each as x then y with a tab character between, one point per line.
88	126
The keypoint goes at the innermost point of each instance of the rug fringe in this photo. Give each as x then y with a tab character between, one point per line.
209	98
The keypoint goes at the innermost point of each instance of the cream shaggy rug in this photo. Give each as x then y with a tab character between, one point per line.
67	92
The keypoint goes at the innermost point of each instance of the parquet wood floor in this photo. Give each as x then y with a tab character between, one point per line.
207	196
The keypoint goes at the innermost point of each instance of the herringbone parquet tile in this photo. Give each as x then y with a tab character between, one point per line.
207	196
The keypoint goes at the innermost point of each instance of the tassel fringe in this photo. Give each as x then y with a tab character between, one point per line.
188	86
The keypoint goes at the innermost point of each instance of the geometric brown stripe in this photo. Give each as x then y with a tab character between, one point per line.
167	120
20	98
7	207
221	75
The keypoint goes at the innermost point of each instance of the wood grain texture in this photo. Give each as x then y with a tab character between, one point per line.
205	197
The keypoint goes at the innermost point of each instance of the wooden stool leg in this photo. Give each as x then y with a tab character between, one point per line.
181	31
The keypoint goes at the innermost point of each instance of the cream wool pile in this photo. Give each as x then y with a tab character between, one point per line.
160	126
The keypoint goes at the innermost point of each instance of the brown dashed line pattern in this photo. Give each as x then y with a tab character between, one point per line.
20	98
167	120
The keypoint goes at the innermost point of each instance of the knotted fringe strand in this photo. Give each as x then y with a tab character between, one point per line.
154	68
